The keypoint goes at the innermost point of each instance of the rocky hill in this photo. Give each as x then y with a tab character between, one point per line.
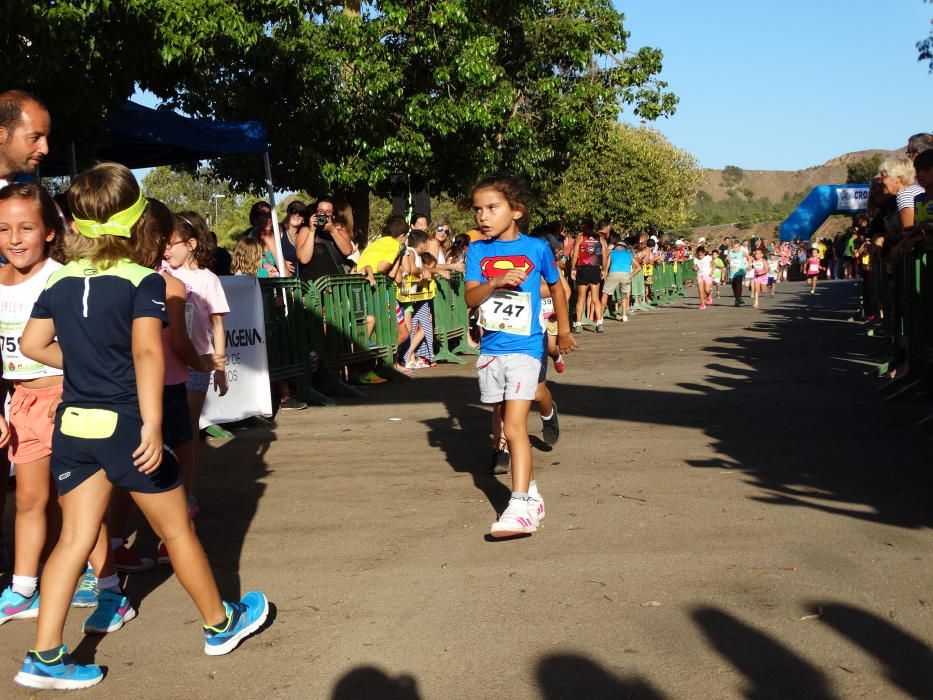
774	184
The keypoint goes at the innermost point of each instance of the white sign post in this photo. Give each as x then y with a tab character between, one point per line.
247	363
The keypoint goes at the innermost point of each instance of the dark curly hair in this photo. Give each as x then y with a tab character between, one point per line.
190	225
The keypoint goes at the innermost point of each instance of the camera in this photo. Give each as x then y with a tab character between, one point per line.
320	220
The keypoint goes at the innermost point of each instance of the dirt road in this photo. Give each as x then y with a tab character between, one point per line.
732	511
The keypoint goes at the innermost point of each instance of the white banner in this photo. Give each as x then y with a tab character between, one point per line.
247	363
851	198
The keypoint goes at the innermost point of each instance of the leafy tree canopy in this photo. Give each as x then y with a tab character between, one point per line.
447	89
632	176
862	171
82	56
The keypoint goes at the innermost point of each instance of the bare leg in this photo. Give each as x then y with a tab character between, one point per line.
581	302
597	303
516	434
101	557
167	513
498	440
544	399
83	510
33	484
189	469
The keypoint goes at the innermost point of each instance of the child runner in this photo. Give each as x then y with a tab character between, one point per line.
152	235
29	222
703	264
760	275
102	315
812	267
738	263
189	253
503	277
772	270
719	268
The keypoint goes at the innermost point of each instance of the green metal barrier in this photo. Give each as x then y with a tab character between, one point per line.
912	325
286	334
290	336
451	319
347	303
639	293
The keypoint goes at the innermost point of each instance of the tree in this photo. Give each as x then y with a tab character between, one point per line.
925	48
202	191
449	90
862	171
82	56
632	176
732	175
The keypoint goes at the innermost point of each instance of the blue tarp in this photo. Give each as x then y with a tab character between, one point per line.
141	137
820	204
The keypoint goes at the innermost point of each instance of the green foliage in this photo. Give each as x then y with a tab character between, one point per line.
441	207
632	176
450	90
82	56
743	209
861	172
732	175
197	191
925	48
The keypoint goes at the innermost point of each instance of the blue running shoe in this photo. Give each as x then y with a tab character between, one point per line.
87	593
243	619
58	673
13	606
113	611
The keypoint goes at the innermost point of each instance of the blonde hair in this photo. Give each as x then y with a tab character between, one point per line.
247	256
899	168
447	242
97	194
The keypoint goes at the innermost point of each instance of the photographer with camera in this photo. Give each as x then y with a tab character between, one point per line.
323	244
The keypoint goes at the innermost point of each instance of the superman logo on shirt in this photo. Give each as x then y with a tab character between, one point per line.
499	265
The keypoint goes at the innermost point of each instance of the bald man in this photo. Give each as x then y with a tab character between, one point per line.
24	131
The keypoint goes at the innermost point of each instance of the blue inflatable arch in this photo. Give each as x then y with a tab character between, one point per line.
821	203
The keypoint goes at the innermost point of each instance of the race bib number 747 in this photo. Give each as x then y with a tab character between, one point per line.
507	311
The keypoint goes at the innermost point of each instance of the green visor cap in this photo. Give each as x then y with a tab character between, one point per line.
120	224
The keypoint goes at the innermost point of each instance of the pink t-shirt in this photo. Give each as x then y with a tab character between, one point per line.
813	266
205	297
176	372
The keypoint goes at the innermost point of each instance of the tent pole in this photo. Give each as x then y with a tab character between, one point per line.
279	260
74	160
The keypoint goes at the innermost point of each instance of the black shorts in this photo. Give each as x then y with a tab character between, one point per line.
89	439
176	418
589	274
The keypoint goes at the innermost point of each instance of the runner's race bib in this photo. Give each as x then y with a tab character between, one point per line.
507	311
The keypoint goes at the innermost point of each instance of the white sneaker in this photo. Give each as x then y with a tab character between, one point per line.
537	503
517	519
625	319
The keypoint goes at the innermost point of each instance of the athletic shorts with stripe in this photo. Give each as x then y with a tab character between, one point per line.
507	377
87	440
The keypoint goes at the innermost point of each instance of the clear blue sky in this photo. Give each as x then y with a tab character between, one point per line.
786	85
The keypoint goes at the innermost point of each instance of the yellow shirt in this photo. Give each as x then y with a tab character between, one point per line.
384	249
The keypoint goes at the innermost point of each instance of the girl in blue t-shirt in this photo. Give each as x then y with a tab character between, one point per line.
503	277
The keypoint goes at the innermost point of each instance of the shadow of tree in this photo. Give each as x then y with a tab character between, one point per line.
770	669
371	683
908	661
573	677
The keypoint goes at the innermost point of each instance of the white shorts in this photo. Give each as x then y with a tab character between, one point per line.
507	377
